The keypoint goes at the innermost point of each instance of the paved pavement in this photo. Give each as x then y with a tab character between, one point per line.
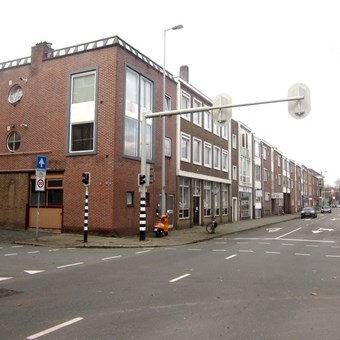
175	237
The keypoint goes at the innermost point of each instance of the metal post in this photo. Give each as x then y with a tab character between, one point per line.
86	213
38	219
142	189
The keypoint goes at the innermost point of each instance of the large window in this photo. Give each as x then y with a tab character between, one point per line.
82	112
138	100
185	147
185	104
224	199
184	194
197	116
207	155
197	151
207	198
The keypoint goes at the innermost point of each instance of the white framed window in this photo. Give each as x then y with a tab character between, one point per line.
82	118
217	158
217	199
207	120
167	147
184	195
207	154
234	172
185	147
185	104
224	199
225	160
216	129
225	131
207	198
279	161
197	116
138	100
197	151
264	152
234	141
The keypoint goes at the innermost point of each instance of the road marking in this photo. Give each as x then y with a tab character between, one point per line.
264	243
194	249
335	246
53	250
242	242
246	251
179	278
273	230
301	254
33	271
293	231
55	328
287	244
143	251
273	252
230	257
222	242
70	265
332	255
5	278
219	250
17	246
312	245
33	252
110	258
12	254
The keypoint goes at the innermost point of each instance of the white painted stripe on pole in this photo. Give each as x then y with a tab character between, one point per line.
70	265
52	329
142	228
230	257
179	278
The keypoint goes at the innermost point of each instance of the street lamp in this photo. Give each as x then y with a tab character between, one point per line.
163	198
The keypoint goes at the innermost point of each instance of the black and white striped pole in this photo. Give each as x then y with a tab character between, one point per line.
142	182
86	182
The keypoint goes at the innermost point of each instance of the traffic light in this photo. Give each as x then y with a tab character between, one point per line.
141	179
86	178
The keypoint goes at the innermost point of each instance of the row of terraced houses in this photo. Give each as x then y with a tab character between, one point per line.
81	108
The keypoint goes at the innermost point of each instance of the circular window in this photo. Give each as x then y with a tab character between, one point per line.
13	141
15	94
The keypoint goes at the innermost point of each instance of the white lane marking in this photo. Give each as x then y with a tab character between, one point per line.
143	251
287	244
293	231
52	329
70	265
194	249
246	251
332	255
5	278
242	242
219	250
12	254
264	243
230	257
179	278
17	247
33	271
53	250
312	245
222	242
110	258
301	254
33	252
273	252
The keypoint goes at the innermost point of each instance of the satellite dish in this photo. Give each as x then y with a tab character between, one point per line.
222	116
299	108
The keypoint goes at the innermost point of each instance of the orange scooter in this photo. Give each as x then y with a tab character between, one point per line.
161	226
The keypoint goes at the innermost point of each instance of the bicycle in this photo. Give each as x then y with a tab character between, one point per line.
211	226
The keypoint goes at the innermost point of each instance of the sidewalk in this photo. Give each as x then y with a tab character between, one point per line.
175	237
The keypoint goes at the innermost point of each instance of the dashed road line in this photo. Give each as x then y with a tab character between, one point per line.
179	278
230	257
70	265
111	257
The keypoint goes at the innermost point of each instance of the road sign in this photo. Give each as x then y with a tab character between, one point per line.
41	163
300	108
223	116
40	184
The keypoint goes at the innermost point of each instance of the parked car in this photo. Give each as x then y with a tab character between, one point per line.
309	212
326	209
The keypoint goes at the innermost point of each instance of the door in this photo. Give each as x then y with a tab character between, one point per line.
196	212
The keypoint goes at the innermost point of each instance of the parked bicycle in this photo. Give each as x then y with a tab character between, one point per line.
211	226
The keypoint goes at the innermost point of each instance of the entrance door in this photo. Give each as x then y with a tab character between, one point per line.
196	212
170	203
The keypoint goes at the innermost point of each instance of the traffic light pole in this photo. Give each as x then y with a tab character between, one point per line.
142	188
86	213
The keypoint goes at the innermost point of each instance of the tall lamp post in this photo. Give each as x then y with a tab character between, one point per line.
163	196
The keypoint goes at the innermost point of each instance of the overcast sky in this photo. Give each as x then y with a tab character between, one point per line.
252	50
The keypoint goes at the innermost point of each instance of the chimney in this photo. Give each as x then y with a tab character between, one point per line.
40	50
184	73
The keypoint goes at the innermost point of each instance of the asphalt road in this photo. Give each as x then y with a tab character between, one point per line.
279	282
